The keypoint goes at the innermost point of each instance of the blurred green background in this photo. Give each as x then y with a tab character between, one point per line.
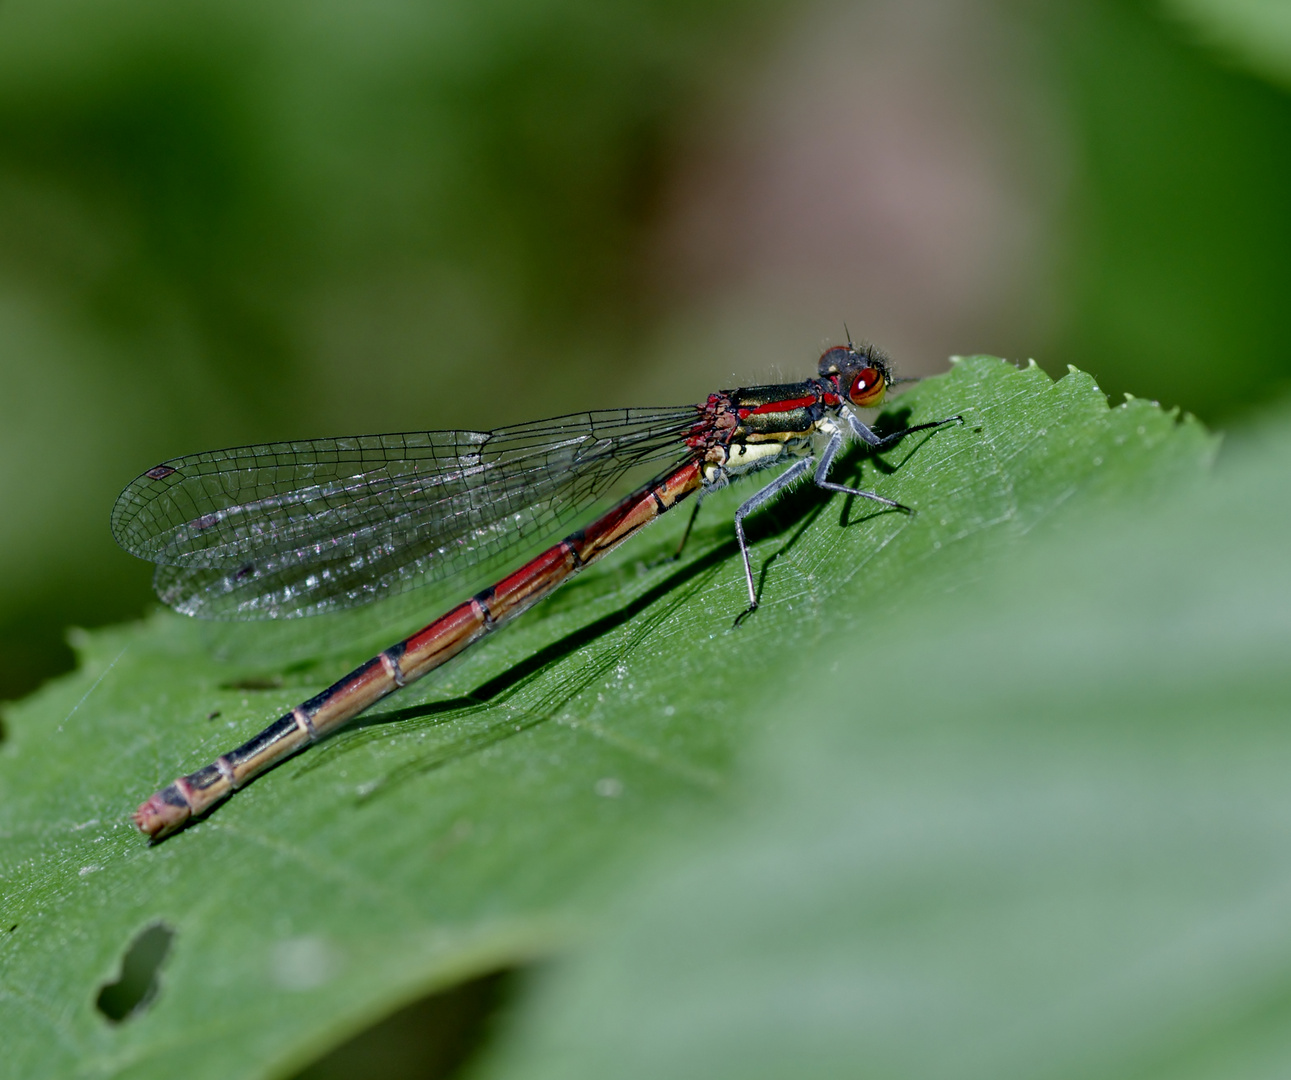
231	222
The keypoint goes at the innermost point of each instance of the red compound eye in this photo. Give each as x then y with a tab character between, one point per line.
867	387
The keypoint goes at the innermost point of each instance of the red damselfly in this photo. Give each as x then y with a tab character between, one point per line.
298	528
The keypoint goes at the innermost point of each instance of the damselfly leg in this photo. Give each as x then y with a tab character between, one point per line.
821	479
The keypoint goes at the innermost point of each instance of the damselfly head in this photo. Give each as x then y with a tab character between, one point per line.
860	372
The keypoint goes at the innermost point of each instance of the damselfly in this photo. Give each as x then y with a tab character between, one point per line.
288	529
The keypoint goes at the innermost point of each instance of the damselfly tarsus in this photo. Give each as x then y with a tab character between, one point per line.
287	529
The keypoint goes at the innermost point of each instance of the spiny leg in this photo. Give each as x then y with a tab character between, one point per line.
822	473
689	525
821	479
867	436
784	480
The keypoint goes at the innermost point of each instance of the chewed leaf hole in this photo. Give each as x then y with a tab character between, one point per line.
140	978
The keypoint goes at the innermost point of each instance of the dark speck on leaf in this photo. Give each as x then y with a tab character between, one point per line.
272	682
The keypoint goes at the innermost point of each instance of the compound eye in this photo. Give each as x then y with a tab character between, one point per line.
832	361
867	387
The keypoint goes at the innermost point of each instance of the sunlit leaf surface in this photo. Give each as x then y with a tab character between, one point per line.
1037	828
482	818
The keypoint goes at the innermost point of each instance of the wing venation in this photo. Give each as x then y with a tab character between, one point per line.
285	529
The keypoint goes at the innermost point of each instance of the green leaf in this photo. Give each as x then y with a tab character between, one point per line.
1038	828
481	818
1256	33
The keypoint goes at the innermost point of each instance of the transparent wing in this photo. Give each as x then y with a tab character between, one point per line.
299	528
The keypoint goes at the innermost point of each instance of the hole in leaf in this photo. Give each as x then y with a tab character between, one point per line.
431	1039
137	985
